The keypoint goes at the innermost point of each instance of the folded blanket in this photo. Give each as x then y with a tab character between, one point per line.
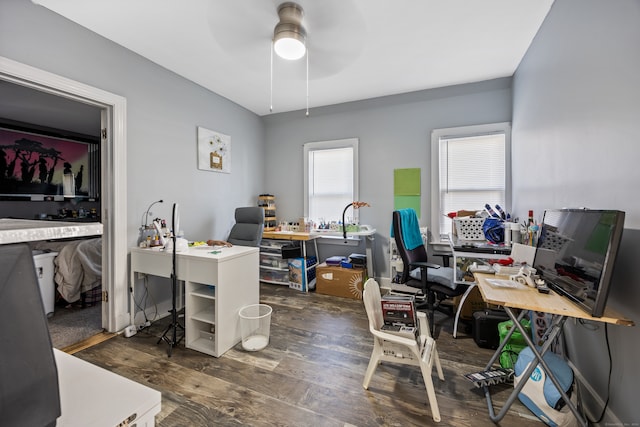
409	228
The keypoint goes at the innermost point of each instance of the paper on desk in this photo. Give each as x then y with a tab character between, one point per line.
504	283
522	254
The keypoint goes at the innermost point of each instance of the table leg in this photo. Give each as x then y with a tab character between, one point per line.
369	252
132	304
460	304
555	329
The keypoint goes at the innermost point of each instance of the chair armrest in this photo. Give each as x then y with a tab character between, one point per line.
423	324
427	350
423	264
395	338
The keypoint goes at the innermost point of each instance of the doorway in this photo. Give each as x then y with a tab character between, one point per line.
113	187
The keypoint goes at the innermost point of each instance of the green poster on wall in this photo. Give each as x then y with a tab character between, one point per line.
406	182
406	189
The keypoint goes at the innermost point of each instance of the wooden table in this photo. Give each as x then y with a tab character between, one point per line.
299	236
368	234
526	298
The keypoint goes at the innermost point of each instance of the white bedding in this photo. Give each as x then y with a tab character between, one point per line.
78	266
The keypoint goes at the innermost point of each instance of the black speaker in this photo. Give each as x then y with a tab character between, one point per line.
29	394
485	327
291	251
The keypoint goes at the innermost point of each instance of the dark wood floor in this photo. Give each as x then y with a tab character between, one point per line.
310	374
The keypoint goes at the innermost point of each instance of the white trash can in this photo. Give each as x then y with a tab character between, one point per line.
255	322
43	262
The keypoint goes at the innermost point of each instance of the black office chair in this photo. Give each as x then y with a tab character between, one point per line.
247	231
436	283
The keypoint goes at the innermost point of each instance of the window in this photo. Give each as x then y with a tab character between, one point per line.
470	168
330	179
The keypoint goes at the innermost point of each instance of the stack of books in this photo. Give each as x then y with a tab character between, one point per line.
399	314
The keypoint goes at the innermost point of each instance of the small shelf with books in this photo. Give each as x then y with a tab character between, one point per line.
268	203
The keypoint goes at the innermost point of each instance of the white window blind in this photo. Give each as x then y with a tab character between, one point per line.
473	169
331	179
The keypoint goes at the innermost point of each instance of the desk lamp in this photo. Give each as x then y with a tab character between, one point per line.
356	205
144	227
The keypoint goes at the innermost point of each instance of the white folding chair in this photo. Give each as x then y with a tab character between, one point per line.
389	347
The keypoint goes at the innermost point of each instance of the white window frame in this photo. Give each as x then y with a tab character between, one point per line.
329	145
459	132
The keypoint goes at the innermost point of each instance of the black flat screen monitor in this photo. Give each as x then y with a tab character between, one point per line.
576	253
29	394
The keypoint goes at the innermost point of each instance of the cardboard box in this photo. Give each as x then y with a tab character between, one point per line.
473	303
341	282
297	277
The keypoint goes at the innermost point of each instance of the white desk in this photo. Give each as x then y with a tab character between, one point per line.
93	396
475	250
217	286
368	234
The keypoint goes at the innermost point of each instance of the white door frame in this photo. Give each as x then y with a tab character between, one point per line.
114	178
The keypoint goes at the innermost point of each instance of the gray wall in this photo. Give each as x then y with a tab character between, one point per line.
163	112
576	123
394	132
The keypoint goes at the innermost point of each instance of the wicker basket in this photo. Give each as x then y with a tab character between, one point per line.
469	228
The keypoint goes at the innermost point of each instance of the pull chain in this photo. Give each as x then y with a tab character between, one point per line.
307	115
271	81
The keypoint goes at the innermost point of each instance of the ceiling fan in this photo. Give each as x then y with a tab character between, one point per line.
323	21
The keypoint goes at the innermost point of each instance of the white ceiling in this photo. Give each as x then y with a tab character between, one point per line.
358	49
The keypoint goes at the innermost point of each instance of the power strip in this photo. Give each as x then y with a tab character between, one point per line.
130	331
144	325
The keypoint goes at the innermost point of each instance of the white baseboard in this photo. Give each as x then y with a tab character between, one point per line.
610	418
151	314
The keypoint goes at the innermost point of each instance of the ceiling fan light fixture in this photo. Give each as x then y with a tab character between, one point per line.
289	36
289	43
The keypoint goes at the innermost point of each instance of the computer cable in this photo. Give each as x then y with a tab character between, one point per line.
606	403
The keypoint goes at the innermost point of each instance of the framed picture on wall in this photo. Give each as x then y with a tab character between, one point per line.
214	151
38	163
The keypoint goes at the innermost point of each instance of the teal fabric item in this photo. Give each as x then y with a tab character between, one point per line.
410	228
